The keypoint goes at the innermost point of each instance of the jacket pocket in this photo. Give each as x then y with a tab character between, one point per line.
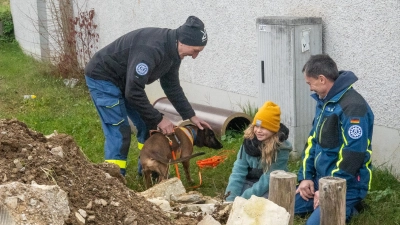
329	132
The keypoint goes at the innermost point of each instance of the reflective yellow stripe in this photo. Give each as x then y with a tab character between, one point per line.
120	163
116	124
113	105
307	153
140	145
369	170
340	153
367	165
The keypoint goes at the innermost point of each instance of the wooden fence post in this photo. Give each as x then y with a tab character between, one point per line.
332	200
282	190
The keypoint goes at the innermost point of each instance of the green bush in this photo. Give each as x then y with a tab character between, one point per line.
8	26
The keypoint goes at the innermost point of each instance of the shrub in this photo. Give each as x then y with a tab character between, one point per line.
8	26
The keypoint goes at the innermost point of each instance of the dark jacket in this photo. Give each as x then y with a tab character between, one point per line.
139	58
339	144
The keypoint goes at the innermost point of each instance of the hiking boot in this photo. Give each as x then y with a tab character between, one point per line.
361	206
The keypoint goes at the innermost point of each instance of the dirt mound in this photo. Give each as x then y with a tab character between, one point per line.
26	156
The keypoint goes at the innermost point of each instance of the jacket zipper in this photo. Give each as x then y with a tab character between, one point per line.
319	131
315	161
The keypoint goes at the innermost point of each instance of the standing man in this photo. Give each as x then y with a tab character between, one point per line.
117	74
339	144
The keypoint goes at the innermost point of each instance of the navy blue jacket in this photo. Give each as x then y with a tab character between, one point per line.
339	143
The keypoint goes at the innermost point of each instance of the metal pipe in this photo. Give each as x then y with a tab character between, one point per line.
219	119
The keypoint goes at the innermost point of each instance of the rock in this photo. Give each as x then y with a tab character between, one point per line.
116	204
57	151
208	220
80	218
190	198
130	219
47	204
100	202
162	203
89	205
82	212
91	218
11	202
17	164
165	189
257	210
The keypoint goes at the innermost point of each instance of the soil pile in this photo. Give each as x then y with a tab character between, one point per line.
27	155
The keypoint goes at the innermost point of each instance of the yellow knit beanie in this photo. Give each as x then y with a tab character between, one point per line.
268	117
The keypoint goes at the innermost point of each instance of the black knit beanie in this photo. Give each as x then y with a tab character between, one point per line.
192	32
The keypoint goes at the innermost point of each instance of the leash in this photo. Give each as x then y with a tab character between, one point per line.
215	160
211	162
173	155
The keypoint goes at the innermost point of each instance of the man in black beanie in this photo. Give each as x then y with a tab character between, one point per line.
117	74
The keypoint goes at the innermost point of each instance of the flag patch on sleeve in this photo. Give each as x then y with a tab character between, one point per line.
354	120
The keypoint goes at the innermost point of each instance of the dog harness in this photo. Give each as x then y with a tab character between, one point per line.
190	134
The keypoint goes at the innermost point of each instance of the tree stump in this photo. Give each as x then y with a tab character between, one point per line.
282	190
332	200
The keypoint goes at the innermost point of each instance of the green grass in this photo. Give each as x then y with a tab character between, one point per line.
4	5
70	111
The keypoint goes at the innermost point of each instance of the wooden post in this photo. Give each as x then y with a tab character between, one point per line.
332	200
282	190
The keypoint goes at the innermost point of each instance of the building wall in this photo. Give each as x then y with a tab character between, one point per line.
25	18
361	35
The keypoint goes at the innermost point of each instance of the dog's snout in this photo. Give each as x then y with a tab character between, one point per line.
219	145
216	144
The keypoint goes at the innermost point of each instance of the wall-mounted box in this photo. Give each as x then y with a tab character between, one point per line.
284	46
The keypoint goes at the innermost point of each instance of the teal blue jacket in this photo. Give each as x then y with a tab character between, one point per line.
241	168
339	144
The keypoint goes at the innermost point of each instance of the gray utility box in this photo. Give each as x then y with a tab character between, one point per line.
284	46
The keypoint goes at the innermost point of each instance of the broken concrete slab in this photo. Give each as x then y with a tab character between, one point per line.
33	204
165	189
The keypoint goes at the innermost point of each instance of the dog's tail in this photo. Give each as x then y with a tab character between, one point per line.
170	162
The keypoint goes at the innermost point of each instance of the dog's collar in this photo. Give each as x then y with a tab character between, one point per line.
189	133
194	133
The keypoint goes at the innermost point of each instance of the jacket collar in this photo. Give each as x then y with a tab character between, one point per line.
345	80
172	46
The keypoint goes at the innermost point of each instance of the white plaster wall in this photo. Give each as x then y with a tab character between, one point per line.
28	25
386	148
26	28
361	35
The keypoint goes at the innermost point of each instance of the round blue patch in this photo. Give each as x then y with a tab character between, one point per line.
142	69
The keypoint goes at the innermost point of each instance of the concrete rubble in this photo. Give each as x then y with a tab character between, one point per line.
255	211
32	204
41	204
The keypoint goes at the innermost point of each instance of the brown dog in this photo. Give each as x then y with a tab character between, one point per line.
156	154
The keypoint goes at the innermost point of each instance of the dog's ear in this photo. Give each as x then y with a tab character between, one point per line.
200	137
